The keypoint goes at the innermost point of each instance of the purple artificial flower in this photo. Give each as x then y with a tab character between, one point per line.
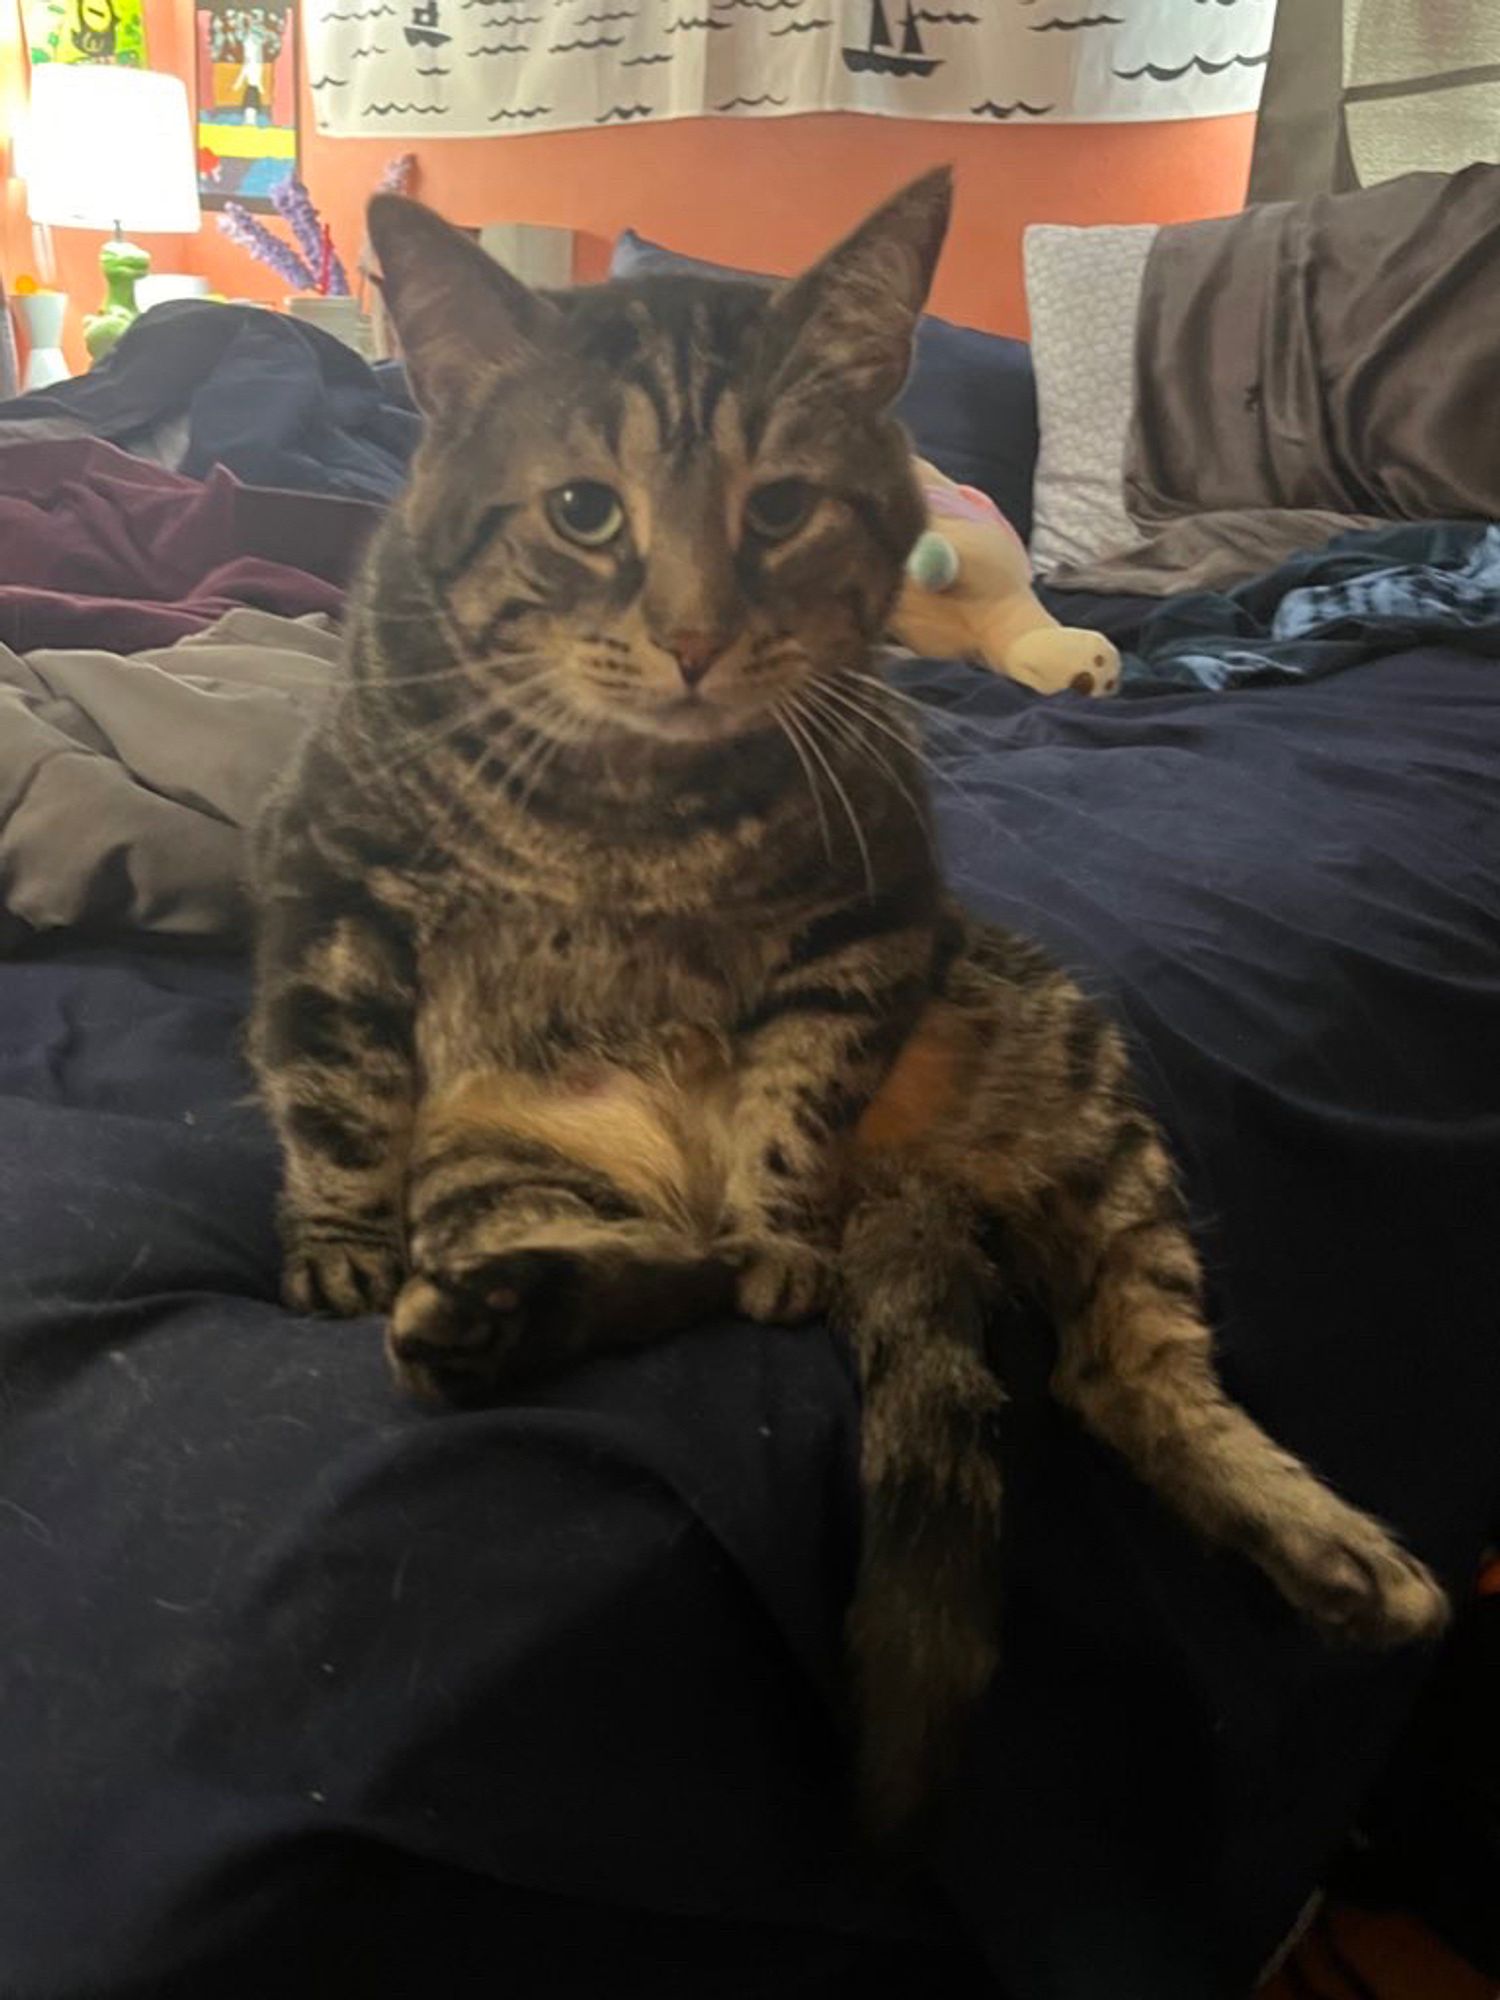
295	207
241	227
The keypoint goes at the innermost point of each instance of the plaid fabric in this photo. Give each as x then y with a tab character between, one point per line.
1418	601
1361	597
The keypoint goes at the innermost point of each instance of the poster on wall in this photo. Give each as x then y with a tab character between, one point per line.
246	59
474	67
94	31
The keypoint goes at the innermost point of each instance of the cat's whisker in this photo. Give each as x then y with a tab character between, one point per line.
937	774
807	719
846	722
414	748
421	745
930	715
867	702
851	726
471	783
791	732
425	742
553	746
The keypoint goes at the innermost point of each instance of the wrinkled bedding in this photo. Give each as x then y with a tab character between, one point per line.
126	784
1305	368
101	549
308	1691
1365	594
196	385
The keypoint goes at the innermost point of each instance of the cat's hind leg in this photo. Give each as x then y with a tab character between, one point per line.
1136	1365
1026	1103
544	1224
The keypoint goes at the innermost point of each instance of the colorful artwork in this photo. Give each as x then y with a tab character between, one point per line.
95	31
460	67
247	100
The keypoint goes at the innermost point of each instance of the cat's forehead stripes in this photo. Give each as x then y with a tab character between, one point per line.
676	345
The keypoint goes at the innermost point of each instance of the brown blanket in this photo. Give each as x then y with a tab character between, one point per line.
1308	367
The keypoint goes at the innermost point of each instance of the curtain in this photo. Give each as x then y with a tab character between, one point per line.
439	68
1359	91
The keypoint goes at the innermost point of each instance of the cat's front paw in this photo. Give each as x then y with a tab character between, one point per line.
343	1277
782	1280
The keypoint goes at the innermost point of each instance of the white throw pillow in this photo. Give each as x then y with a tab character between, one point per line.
1083	287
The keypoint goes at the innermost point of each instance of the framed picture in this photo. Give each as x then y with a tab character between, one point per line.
93	31
246	63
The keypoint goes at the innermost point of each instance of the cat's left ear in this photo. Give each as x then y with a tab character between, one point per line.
852	317
462	317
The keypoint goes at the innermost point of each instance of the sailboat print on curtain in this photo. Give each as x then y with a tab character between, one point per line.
513	66
879	54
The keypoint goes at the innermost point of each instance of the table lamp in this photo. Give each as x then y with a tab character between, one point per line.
112	149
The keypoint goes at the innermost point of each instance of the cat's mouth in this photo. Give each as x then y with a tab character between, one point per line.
693	716
698	715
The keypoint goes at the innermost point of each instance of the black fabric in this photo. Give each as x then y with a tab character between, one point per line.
289	1664
276	401
1430	1840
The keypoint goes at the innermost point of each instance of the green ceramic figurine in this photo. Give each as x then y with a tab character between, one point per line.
122	263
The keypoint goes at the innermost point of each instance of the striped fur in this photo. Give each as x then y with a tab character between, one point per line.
606	975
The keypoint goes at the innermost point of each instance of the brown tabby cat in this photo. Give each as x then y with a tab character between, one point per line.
606	975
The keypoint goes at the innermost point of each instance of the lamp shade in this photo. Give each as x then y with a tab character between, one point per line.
107	146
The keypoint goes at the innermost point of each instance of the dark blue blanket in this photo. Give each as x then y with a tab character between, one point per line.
306	1692
275	401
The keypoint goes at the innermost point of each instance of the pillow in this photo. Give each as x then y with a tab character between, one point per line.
1083	288
970	403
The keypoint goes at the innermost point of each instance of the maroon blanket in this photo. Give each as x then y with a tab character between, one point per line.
101	549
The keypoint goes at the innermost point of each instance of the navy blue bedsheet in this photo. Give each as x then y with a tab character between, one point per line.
306	1691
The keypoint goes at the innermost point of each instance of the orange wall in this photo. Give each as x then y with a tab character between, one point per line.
769	193
766	193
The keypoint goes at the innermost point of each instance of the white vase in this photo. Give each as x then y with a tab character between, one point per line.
339	316
42	315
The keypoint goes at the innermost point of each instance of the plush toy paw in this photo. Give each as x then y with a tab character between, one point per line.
1056	657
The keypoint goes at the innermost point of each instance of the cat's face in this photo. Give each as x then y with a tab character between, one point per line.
673	507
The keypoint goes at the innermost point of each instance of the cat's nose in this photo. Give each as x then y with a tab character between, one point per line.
695	653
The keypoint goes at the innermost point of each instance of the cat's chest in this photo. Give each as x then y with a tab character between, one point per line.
526	986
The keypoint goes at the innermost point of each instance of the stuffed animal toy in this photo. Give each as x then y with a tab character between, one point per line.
968	594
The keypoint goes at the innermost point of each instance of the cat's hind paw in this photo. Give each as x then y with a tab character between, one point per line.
455	1337
782	1281
1355	1581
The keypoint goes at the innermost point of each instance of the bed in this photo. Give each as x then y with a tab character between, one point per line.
307	1691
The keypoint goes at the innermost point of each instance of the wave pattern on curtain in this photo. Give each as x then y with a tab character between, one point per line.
463	68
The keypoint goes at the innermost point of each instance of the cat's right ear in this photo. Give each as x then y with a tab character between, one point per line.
462	318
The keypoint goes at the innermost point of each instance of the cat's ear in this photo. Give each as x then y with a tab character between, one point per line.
461	316
854	314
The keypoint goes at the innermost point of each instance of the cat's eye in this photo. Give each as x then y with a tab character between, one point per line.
775	512
587	512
